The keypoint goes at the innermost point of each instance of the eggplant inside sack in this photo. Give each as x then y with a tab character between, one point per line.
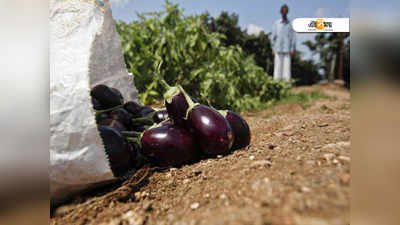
183	132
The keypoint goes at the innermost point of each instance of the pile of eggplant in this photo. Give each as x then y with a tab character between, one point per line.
183	132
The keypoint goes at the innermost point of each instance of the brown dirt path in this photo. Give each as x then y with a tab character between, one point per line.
296	171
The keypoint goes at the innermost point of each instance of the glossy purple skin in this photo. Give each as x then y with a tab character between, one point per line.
119	152
133	108
122	115
211	129
240	128
177	108
117	125
160	116
106	97
169	145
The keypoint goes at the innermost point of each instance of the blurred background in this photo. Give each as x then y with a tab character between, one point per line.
24	112
241	26
375	34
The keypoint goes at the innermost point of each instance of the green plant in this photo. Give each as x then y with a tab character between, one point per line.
182	50
304	97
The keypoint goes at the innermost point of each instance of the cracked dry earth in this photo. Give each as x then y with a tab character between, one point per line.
296	171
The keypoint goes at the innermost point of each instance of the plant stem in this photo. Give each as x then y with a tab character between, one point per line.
164	84
136	140
131	133
188	100
142	121
107	110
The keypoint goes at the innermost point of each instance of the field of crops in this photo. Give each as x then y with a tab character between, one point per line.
181	49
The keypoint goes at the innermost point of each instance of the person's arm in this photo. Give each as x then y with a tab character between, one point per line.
292	41
273	36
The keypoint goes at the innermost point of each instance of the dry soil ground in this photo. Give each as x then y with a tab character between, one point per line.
296	171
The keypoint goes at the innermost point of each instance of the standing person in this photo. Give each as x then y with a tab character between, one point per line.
283	45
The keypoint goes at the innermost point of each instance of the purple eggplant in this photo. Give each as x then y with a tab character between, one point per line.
96	104
240	128
120	154
154	117
122	115
107	97
211	129
177	108
112	123
160	115
119	94
102	116
146	110
168	145
176	103
133	108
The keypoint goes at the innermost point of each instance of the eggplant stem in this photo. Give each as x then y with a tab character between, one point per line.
170	93
166	120
147	120
97	112
222	112
131	133
136	140
189	101
165	84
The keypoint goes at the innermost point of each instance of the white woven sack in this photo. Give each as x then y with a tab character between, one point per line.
85	50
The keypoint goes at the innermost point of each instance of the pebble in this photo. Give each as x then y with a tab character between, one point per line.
305	189
345	178
137	195
194	205
344	144
185	181
148	206
252	157
219	156
329	156
222	196
144	194
261	163
344	158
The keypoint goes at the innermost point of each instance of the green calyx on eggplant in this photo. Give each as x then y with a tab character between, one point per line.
176	103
